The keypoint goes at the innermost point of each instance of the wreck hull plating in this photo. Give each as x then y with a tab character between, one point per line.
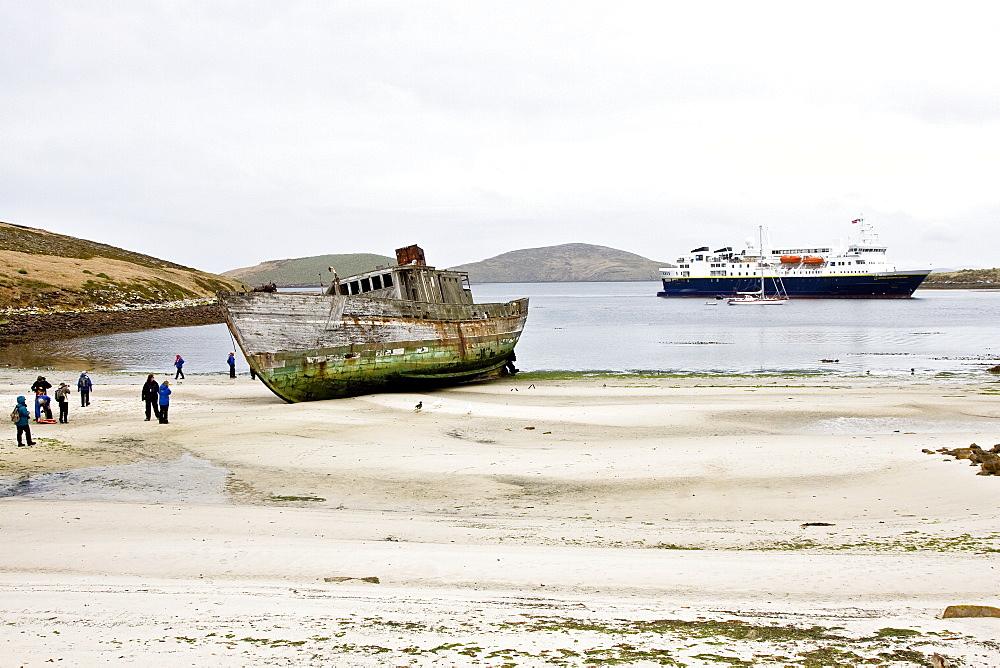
309	347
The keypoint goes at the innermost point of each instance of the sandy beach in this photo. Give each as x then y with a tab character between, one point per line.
580	521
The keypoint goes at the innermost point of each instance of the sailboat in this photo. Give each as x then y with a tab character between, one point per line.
760	296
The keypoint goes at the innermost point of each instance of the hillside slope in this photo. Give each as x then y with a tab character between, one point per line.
566	262
308	271
44	270
964	278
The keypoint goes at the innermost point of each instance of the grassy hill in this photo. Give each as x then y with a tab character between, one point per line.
965	278
307	271
44	270
566	262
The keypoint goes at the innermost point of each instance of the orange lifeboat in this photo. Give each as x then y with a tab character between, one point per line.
812	259
790	259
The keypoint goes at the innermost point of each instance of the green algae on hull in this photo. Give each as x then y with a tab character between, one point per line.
353	370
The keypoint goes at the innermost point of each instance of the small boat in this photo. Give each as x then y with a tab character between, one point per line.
760	296
756	297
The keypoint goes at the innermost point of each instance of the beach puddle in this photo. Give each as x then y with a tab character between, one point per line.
889	425
184	480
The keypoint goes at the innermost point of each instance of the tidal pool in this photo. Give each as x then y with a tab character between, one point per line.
184	480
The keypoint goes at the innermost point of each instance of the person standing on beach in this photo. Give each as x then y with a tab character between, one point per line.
151	397
38	388
62	398
231	361
164	400
23	422
179	364
84	386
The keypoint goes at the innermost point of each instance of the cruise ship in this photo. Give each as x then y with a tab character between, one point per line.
857	269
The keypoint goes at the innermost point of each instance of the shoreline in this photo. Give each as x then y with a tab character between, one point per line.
515	521
23	327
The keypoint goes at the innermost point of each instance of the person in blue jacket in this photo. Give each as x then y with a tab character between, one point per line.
164	393
231	361
83	385
179	364
23	422
43	405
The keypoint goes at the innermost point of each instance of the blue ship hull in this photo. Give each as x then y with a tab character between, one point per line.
878	286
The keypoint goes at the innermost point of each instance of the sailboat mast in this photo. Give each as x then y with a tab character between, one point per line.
760	248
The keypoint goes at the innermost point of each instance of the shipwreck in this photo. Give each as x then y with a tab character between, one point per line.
392	328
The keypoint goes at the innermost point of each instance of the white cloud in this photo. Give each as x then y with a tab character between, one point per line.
222	134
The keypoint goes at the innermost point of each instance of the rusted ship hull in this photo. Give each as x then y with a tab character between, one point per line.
306	347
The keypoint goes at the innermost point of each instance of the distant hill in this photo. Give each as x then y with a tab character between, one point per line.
40	269
566	262
964	278
307	271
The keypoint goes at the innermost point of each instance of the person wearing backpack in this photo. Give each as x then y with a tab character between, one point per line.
84	385
22	419
62	398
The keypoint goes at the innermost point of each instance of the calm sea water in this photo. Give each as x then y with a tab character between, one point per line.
623	327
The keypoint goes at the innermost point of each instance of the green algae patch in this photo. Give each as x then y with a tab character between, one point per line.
554	640
317	499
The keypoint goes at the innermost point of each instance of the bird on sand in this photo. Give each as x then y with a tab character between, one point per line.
420	404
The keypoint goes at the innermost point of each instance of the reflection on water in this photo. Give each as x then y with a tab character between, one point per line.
204	349
185	480
622	327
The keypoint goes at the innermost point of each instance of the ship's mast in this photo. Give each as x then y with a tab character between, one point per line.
868	236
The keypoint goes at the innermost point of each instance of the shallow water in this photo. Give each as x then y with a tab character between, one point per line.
622	327
184	480
888	425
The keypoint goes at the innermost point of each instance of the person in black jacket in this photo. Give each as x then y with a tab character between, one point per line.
151	397
38	388
62	398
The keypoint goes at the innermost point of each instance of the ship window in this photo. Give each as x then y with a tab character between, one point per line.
355	288
376	282
387	280
366	285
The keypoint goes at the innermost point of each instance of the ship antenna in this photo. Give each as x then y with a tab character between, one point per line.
868	236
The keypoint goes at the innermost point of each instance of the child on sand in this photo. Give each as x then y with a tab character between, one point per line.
164	400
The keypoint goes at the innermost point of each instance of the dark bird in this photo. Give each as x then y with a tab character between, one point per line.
419	405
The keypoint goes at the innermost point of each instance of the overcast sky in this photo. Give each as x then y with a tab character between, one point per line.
222	134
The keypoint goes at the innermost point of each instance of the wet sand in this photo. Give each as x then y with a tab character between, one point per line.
519	522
